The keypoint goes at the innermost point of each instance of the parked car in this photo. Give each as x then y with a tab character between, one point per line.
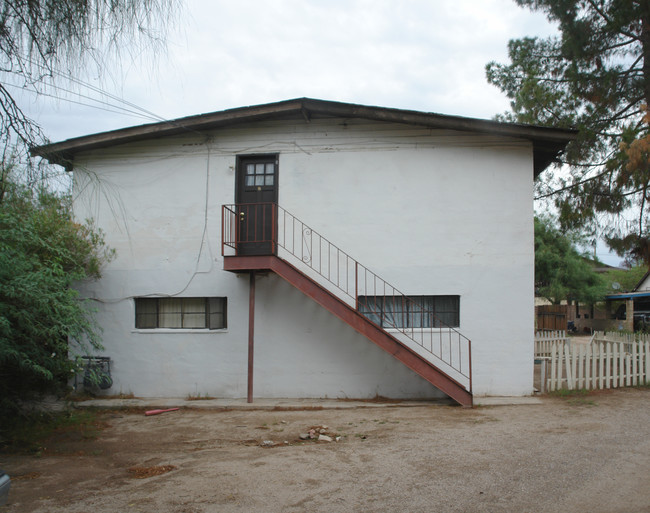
5	484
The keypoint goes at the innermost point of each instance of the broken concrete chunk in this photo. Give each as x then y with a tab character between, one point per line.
324	438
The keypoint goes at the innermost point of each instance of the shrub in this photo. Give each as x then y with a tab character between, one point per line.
43	252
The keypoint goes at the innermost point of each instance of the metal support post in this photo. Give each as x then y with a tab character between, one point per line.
251	335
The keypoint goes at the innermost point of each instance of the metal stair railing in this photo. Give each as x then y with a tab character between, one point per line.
269	229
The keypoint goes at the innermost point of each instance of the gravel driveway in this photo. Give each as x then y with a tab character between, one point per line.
589	453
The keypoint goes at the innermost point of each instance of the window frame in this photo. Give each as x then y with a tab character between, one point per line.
214	307
375	309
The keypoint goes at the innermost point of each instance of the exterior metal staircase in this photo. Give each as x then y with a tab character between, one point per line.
265	237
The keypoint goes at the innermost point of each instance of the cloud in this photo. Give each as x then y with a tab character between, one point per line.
419	54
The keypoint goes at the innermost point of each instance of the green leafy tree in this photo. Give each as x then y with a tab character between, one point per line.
47	46
561	273
594	76
43	252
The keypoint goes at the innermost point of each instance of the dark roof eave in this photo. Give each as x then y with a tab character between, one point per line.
548	143
636	287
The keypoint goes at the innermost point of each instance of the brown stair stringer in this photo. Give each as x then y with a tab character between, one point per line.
350	316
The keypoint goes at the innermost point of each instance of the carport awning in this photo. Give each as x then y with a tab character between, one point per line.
631	295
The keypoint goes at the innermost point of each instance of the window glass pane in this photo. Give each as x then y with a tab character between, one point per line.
250	181
370	307
270	168
395	309
421	312
170	313
259	169
250	169
217	313
447	310
146	313
193	312
268	180
259	180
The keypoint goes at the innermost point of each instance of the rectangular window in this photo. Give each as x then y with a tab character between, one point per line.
412	312
181	312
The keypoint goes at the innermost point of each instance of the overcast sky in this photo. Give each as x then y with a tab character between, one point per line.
427	55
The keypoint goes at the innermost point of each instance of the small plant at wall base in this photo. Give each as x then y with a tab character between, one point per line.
43	252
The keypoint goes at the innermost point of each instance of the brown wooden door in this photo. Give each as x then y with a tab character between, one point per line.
256	193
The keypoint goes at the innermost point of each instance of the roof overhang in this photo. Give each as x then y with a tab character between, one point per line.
638	285
548	143
628	295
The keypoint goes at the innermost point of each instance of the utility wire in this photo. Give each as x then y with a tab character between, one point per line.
114	108
145	113
73	79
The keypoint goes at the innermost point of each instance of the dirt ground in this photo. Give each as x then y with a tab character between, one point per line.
589	453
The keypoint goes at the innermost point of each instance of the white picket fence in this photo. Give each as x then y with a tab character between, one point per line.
608	361
544	341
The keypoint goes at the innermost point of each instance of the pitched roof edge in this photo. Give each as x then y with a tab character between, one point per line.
636	287
547	142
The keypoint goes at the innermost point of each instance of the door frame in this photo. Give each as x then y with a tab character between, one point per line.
240	193
241	159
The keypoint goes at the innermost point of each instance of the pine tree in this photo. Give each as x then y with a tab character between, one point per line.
594	76
561	273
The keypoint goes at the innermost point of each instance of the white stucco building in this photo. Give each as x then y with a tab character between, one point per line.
439	206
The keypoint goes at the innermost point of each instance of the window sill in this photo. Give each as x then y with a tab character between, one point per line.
158	331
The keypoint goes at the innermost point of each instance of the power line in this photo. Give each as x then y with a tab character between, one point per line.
147	114
73	79
115	109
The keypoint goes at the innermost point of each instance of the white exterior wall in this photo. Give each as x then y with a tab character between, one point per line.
432	212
